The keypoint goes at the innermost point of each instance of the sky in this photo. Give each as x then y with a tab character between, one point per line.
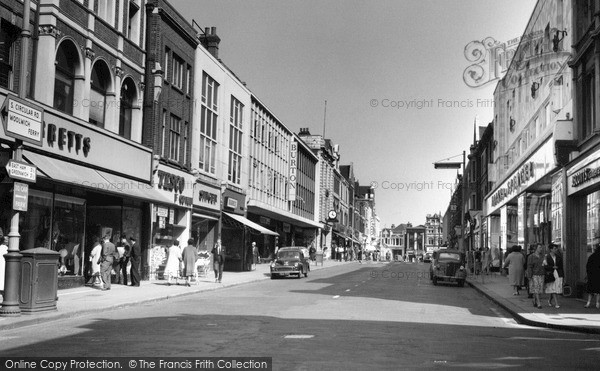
391	72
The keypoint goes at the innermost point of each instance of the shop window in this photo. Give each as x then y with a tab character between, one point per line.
8	36
128	96
64	79
99	85
593	221
36	226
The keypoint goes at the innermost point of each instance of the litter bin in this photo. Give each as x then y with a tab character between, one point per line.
39	280
319	258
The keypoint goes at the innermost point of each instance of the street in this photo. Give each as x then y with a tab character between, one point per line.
352	316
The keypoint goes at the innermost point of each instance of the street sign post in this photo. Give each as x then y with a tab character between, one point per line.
21	171
23	120
20	196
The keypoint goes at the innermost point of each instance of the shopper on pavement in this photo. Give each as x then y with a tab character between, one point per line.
173	262
553	265
189	257
218	260
535	273
515	261
124	252
95	260
593	277
136	259
109	255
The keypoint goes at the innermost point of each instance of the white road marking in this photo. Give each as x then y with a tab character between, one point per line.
594	349
337	296
347	290
545	339
298	336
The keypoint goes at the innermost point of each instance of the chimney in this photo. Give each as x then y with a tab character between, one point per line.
304	131
211	41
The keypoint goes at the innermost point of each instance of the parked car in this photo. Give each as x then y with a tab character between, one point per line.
290	261
448	266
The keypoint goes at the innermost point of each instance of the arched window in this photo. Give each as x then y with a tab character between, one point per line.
127	99
64	79
99	87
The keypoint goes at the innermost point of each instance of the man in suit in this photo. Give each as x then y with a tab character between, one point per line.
109	252
136	259
218	260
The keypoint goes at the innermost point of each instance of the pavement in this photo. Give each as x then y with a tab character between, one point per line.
84	300
571	315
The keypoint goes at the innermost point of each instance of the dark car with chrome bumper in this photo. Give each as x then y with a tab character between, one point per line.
448	266
290	261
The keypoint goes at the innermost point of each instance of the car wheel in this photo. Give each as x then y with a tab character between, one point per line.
435	281
461	283
273	276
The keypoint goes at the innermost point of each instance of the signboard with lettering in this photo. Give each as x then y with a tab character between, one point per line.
162	212
22	120
207	196
585	175
293	168
21	171
20	196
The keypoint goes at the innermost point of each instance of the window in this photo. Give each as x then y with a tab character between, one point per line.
128	94
235	141
99	87
64	77
174	138
188	85
163	149
8	36
186	139
106	11
588	111
166	66
208	124
177	68
133	24
547	114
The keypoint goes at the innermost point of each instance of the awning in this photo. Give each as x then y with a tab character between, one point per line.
251	224
96	180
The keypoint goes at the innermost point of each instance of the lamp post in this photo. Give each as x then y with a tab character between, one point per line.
457	165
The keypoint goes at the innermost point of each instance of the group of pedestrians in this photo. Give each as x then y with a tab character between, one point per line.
182	262
105	258
543	274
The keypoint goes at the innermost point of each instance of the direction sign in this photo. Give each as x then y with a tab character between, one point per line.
20	196
21	171
22	120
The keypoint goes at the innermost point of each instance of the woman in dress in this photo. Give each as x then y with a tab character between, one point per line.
515	262
535	273
553	266
173	261
95	262
593	277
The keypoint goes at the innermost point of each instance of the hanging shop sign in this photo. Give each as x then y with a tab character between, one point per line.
293	171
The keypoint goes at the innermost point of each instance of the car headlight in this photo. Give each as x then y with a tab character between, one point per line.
462	268
272	264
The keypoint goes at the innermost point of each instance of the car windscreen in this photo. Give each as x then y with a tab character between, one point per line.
449	256
288	255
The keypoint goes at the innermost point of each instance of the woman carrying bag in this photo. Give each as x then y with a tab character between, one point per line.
553	267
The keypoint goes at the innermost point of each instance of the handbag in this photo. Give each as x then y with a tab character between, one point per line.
549	277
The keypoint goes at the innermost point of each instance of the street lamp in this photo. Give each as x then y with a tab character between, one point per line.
443	164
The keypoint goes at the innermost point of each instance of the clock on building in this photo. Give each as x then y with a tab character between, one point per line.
332	214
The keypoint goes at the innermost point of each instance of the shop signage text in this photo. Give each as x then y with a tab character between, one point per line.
205	196
67	138
170	182
585	176
232	203
521	177
293	169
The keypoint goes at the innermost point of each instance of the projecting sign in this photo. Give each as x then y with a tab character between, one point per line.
22	120
21	171
20	195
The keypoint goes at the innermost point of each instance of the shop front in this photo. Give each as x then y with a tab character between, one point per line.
90	184
519	211
582	229
233	230
205	215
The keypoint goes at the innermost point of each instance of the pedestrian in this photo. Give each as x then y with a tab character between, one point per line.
254	254
312	252
487	260
478	261
124	252
553	265
189	257
515	261
109	255
218	260
173	262
535	272
527	283
592	269
95	260
3	250
136	259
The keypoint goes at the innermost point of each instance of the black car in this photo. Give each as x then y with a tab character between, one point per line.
448	266
290	261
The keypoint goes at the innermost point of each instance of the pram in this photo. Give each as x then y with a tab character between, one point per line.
202	265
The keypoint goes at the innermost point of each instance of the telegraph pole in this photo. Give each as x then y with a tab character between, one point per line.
10	305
